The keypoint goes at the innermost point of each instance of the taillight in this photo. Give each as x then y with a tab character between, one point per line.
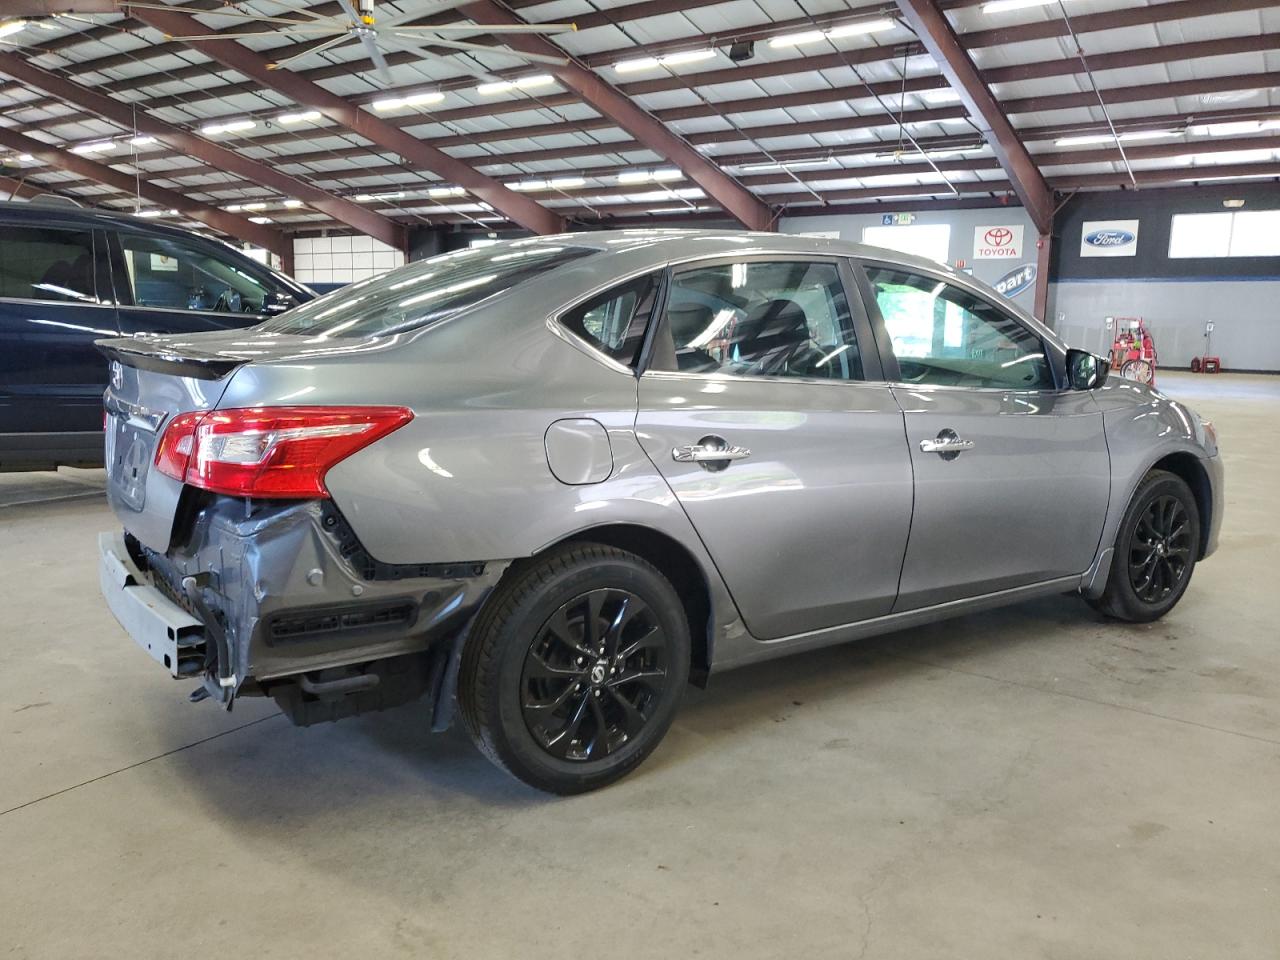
276	452
174	450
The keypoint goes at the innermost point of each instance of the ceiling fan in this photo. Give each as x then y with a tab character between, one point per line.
357	22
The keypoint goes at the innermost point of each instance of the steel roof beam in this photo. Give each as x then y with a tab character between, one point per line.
219	157
940	38
220	220
519	209
735	199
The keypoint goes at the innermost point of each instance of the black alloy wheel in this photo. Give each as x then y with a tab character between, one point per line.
1156	549
593	674
575	667
1160	549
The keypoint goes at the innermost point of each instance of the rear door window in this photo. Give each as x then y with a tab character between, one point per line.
47	263
786	318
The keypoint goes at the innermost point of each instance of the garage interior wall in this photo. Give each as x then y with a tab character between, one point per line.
321	262
1175	297
964	224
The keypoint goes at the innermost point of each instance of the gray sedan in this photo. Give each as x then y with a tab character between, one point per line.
549	482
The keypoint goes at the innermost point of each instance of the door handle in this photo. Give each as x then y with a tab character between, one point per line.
709	450
946	445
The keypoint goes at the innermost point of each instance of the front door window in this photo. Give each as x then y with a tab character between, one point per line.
943	335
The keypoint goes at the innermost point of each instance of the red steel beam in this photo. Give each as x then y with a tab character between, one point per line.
519	209
220	158
220	220
939	37
733	198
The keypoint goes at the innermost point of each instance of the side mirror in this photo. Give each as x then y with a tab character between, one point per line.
279	302
1085	371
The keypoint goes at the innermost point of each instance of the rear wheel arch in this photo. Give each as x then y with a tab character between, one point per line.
674	561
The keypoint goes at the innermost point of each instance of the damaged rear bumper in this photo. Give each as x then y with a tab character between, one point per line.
280	599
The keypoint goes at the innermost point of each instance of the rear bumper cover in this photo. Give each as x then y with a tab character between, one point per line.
263	591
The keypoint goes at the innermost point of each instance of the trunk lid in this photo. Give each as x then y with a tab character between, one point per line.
151	380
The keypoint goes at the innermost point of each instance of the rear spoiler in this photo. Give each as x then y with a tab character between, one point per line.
151	355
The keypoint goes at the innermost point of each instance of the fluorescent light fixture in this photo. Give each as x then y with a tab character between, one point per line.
142	141
670	60
101	146
677	209
796	39
1235	129
528	185
787	165
524	83
565	183
413	100
228	126
306	116
148	214
293	204
446	192
261	220
371	197
1094	138
634	66
11	26
999	6
941	96
861	29
256	205
233	208
645	176
835	33
26	158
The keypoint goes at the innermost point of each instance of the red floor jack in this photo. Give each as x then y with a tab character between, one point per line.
1134	351
1207	363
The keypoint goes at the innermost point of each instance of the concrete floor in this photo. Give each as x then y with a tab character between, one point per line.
1028	783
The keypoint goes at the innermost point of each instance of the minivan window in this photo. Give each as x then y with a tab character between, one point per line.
425	291
172	275
43	263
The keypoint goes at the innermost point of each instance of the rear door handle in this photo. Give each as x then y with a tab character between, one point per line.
946	445
709	450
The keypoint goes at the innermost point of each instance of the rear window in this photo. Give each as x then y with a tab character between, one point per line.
39	263
425	291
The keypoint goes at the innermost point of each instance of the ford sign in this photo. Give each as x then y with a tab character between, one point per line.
1110	238
1012	284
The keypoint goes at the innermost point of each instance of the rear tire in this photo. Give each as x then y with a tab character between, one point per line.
575	668
1155	551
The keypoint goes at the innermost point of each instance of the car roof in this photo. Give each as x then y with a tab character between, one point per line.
46	209
680	244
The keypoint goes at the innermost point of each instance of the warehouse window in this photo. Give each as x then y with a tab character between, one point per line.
1254	233
929	240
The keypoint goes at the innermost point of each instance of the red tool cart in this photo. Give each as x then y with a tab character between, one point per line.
1133	352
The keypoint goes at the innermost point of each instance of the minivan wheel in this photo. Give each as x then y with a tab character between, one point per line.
1155	550
575	667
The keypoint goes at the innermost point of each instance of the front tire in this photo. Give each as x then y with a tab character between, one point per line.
575	668
1155	551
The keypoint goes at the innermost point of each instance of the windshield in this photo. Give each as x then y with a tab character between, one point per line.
425	291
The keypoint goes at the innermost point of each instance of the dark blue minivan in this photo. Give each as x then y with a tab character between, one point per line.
71	275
